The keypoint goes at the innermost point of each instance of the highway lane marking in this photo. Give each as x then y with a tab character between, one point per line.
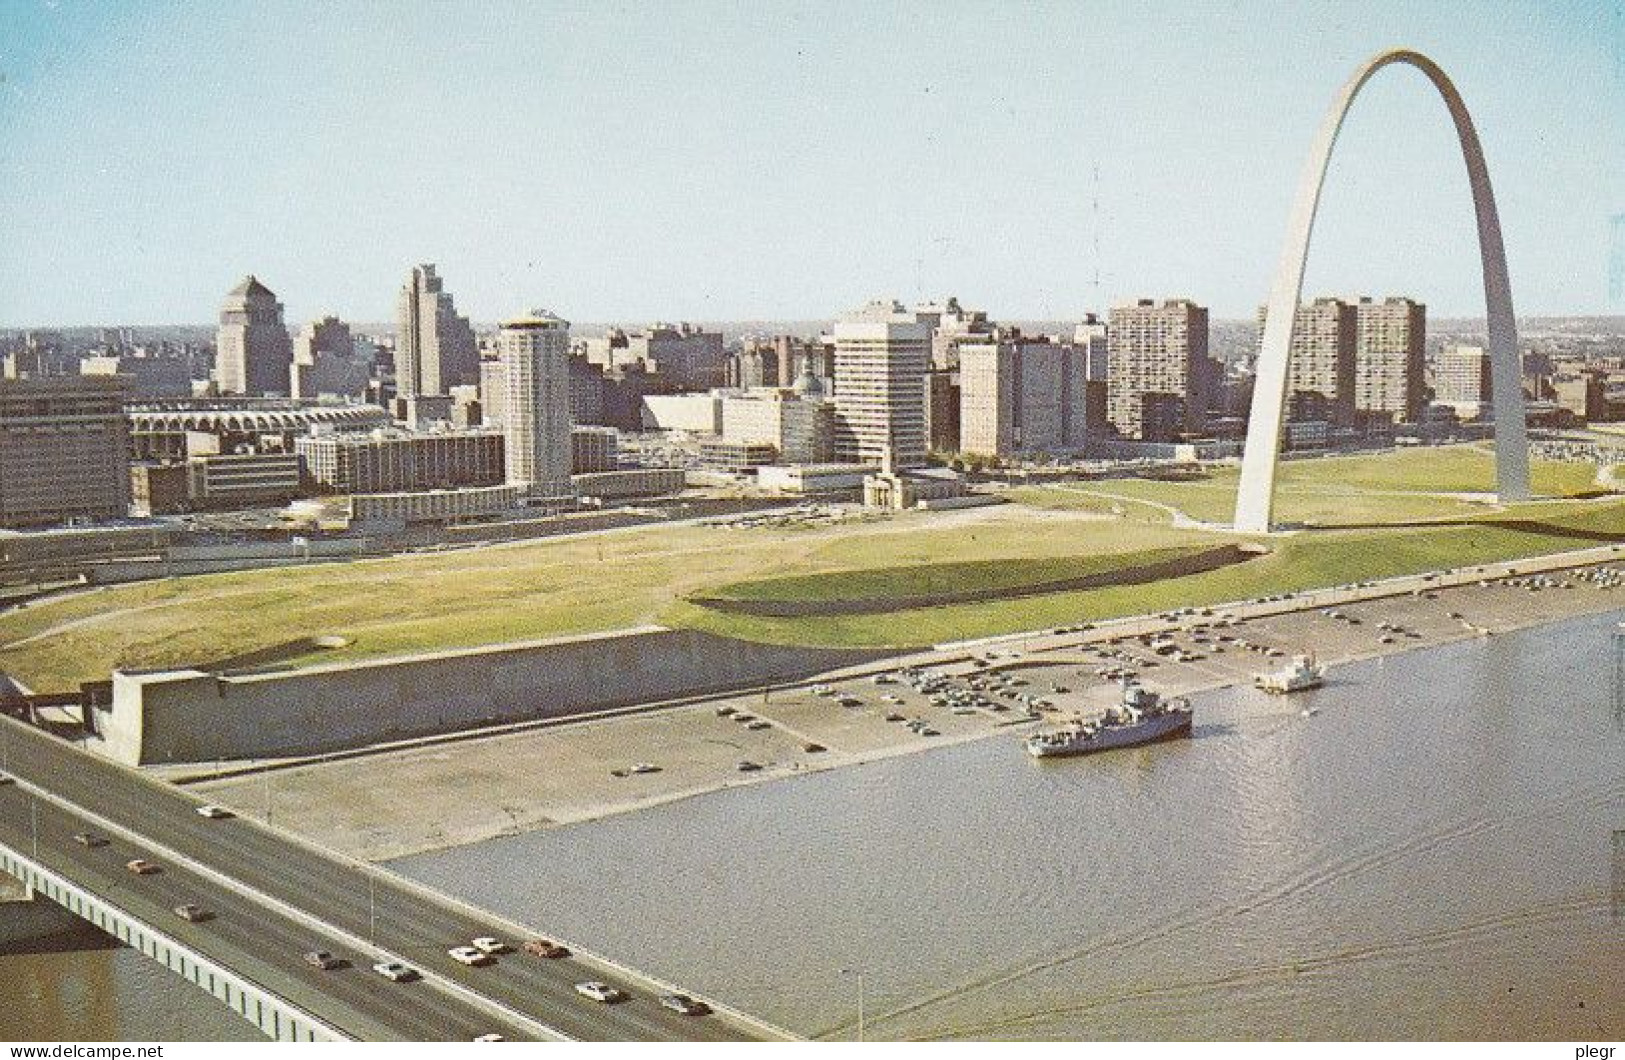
292	912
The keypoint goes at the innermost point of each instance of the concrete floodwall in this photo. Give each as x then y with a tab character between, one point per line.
191	716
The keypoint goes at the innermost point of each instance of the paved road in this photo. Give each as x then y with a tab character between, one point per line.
400	918
259	943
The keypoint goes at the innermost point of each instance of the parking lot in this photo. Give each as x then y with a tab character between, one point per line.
460	791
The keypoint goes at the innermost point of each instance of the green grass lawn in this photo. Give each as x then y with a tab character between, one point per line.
928	579
1303	561
575	585
513	592
1405	485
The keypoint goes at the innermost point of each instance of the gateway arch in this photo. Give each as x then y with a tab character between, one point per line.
1256	495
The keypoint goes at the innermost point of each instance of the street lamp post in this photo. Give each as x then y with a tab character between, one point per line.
1619	676
858	972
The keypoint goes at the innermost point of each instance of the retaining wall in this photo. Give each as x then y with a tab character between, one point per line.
192	716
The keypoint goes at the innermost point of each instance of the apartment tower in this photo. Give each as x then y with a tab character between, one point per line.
1388	361
1321	365
1158	373
534	351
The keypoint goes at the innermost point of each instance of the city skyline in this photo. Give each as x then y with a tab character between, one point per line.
791	167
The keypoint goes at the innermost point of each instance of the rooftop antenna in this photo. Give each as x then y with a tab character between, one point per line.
1094	204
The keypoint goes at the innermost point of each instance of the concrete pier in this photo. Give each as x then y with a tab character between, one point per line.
29	921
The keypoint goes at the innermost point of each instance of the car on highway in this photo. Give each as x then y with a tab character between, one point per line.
546	948
324	960
395	971
7	778
213	812
748	766
193	912
488	945
492	1037
89	839
469	955
600	991
142	867
684	1005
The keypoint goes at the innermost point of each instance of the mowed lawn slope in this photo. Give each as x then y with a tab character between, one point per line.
511	592
1398	486
612	580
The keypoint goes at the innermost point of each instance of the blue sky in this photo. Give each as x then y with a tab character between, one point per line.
630	161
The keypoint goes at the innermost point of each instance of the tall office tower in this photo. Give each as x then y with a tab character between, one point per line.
535	355
1090	337
493	391
1461	380
1022	396
326	361
755	364
1320	366
64	450
881	355
1159	378
951	327
253	354
1388	358
435	348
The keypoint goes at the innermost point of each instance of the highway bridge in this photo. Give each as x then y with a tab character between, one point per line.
272	899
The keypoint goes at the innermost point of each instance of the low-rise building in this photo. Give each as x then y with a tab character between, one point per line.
395	461
719	454
808	479
433	506
594	449
889	489
633	482
242	480
64	450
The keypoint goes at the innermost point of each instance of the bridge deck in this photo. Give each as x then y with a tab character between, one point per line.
274	885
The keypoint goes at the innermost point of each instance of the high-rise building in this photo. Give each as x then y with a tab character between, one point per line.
64	450
1090	337
535	355
1461	379
327	361
1022	395
1390	337
1159	377
148	372
951	327
435	348
1321	364
253	354
881	356
683	356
